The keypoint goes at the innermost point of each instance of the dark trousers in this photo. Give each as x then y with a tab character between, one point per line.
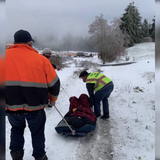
102	95
36	123
2	132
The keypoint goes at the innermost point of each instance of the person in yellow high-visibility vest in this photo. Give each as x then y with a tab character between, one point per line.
99	89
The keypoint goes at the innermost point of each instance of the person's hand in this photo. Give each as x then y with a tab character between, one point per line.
53	103
58	68
78	109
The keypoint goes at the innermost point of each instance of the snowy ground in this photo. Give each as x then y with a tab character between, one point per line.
129	134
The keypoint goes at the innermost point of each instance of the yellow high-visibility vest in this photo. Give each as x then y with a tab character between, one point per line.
99	80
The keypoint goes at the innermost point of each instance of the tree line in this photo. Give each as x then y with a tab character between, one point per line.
136	30
110	40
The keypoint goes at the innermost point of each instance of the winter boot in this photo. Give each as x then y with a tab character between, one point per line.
17	155
42	158
105	117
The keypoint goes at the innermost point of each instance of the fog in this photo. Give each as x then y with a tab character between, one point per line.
2	27
58	18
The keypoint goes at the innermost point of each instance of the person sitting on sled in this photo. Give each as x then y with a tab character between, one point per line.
79	113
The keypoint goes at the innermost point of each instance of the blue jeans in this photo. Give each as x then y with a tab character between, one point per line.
36	123
102	95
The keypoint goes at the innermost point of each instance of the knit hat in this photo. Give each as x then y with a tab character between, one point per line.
83	73
22	36
46	50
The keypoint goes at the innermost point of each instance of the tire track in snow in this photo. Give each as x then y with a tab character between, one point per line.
97	145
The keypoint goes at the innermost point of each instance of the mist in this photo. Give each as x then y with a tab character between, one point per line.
65	43
54	20
2	27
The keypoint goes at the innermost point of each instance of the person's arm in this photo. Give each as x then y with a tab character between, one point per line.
68	113
72	111
56	67
53	82
90	88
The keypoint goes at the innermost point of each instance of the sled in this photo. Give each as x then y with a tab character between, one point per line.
63	129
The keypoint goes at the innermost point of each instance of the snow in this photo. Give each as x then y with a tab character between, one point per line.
129	134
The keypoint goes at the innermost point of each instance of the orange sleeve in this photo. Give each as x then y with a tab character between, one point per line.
2	70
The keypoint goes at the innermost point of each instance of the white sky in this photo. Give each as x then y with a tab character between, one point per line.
2	27
129	133
59	17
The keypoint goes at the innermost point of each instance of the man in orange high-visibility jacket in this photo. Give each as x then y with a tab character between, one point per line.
2	106
29	78
102	86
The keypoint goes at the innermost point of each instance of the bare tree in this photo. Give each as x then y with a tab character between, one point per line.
107	39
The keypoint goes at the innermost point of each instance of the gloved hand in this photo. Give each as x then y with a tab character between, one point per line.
78	109
58	68
53	103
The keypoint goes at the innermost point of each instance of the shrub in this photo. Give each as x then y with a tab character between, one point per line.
56	59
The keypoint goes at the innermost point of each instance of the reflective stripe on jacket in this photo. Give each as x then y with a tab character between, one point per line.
29	78
99	80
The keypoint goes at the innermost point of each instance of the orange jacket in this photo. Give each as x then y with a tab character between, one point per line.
2	80
29	78
2	70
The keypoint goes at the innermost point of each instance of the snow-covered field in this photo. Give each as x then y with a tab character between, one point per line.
129	134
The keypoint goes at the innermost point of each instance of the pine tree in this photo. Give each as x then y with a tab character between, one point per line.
145	28
152	30
132	24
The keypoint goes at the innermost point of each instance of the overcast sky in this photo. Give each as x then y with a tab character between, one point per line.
2	27
60	17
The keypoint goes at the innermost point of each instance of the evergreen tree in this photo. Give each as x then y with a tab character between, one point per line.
131	24
152	30
145	28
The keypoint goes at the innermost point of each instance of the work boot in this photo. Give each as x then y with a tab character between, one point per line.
18	155
104	117
42	158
